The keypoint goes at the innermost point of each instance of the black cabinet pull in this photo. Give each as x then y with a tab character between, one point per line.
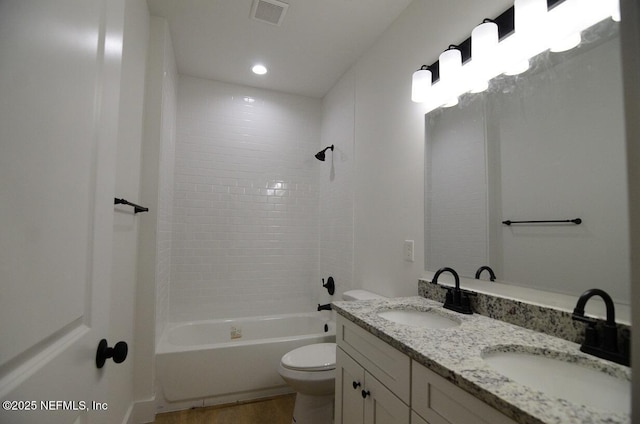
356	384
365	394
104	352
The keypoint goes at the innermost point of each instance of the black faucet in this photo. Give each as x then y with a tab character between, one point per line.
326	307
492	275
608	347
456	299
330	286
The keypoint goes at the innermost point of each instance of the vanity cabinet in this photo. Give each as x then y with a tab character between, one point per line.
439	401
372	379
363	399
376	383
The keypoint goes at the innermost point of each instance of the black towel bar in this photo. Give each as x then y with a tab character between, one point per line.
576	221
136	208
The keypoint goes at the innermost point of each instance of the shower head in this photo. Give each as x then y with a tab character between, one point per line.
320	154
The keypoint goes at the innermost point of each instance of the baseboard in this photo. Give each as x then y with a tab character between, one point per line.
163	406
141	412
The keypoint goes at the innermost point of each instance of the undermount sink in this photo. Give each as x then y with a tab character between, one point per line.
423	319
563	379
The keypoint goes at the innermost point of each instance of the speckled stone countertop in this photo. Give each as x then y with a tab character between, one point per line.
456	354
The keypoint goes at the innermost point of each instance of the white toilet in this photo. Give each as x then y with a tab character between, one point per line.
311	372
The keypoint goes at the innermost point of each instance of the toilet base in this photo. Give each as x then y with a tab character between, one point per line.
313	409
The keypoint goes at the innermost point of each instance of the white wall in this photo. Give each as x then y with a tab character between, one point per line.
456	216
166	183
125	231
336	189
155	192
389	139
245	211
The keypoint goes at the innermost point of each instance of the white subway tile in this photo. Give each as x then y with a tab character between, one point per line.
245	202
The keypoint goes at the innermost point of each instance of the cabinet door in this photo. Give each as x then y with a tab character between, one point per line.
386	363
439	401
349	407
381	406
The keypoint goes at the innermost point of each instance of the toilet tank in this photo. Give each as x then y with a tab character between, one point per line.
360	295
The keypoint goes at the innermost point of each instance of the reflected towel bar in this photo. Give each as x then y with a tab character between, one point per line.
136	208
576	221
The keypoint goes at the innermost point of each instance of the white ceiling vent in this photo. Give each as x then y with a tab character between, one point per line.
269	11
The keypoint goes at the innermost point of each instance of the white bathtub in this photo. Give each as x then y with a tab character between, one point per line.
226	360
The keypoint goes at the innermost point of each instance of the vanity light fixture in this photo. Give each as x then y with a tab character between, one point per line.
450	69
420	84
567	30
531	30
528	40
615	10
484	44
523	31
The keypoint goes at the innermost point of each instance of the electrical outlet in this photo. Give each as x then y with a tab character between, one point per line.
408	251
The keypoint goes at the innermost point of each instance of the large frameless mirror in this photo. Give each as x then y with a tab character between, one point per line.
547	144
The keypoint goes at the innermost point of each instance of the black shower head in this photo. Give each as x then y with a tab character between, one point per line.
320	154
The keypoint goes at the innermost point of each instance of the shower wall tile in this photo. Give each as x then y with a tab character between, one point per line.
162	77
165	187
246	194
336	188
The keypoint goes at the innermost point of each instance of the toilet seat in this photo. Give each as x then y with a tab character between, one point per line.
315	357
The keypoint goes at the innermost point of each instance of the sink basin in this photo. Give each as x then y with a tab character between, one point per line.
563	379
423	319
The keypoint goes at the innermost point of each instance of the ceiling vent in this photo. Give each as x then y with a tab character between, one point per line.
269	11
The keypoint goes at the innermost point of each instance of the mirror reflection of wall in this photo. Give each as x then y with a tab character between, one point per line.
456	206
548	144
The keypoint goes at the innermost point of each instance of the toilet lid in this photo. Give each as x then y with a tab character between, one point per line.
315	357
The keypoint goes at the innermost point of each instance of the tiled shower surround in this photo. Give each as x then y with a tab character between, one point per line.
245	215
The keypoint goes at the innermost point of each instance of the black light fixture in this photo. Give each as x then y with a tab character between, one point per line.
320	154
538	25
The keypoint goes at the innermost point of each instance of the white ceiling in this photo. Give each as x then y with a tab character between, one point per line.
317	42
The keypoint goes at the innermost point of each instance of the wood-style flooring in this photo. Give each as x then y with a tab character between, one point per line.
276	410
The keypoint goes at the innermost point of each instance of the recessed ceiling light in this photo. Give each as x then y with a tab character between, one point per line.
259	69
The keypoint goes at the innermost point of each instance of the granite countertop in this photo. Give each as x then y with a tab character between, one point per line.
456	354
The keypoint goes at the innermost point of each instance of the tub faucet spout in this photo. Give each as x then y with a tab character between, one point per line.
326	307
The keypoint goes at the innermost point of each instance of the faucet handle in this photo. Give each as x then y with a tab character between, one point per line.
578	317
330	286
449	296
591	335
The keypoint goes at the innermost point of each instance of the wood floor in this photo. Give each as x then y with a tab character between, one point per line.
276	410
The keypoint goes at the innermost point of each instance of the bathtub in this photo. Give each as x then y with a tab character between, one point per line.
203	363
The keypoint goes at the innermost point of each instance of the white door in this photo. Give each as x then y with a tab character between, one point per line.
59	89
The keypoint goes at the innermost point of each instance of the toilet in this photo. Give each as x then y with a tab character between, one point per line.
311	371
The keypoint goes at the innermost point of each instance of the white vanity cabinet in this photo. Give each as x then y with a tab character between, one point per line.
376	383
363	399
438	401
372	379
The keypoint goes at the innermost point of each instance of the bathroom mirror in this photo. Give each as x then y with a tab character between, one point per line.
547	144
